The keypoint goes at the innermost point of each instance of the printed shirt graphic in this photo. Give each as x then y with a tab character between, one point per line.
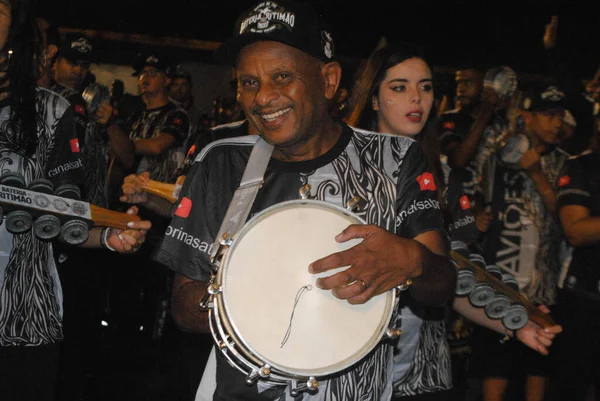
30	292
579	185
168	119
525	238
381	170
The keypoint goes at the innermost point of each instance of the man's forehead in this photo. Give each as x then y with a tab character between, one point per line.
467	74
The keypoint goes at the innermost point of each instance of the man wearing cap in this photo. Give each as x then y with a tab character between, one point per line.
150	140
525	237
180	93
154	139
286	75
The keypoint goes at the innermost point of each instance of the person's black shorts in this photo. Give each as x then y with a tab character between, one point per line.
491	358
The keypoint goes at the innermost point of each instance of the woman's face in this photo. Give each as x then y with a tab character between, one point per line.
5	21
405	98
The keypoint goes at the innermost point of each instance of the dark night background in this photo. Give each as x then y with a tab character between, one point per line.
501	32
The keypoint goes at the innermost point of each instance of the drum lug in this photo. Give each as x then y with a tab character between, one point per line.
311	385
226	344
225	239
255	375
211	289
304	191
353	203
393	333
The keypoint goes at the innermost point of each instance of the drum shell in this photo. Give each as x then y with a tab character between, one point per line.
234	343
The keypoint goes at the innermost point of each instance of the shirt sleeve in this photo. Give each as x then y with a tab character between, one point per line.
572	186
417	205
177	124
188	240
65	165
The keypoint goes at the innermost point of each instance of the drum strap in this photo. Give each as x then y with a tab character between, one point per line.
244	196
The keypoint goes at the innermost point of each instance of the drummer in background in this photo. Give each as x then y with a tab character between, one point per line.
287	74
524	240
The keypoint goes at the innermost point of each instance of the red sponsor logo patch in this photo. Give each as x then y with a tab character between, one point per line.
426	182
564	180
464	203
177	121
74	145
79	109
184	208
449	125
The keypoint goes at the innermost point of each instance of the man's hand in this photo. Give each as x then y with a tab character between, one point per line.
128	241
104	113
379	263
133	188
530	160
536	337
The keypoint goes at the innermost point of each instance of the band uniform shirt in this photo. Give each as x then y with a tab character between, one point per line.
168	119
397	192
525	238
31	306
93	142
579	184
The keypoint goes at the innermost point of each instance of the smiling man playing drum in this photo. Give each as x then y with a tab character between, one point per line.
303	297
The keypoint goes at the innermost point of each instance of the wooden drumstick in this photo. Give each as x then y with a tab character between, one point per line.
109	218
535	315
169	192
38	203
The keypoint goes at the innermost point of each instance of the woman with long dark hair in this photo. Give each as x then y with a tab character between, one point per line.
395	95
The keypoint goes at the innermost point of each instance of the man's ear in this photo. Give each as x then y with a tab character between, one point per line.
50	53
332	73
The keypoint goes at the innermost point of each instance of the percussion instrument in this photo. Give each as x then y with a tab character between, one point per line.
520	309
169	192
94	95
267	315
65	216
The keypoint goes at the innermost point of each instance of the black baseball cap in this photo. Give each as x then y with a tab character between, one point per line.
293	23
152	60
544	98
76	48
179	72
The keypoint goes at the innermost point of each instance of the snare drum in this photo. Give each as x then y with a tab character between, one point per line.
269	318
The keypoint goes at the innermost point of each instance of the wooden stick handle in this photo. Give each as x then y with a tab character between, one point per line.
110	218
535	315
169	192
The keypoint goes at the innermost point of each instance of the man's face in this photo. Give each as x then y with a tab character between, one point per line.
5	22
71	73
469	84
152	81
180	89
546	125
282	92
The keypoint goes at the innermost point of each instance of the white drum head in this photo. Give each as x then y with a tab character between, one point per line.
273	305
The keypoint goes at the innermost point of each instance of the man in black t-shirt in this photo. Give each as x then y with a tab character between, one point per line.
575	356
286	76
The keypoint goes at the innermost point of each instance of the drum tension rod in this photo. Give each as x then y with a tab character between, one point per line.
312	384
